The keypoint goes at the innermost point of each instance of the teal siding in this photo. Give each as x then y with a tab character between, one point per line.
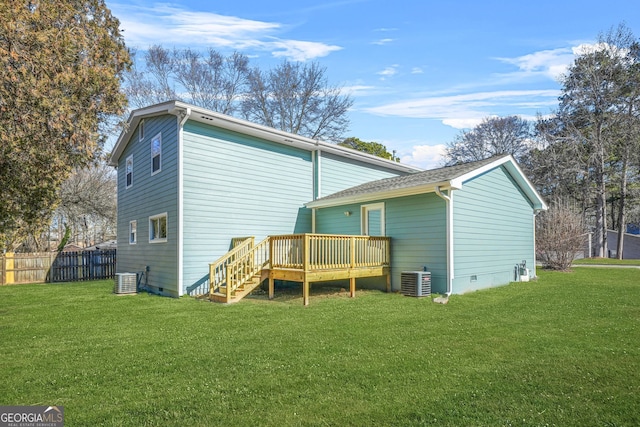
235	185
417	226
493	231
338	173
150	195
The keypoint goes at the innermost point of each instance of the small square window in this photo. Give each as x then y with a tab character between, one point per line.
133	232
158	228
156	154
141	130
129	171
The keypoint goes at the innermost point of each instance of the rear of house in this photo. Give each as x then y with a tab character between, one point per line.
190	180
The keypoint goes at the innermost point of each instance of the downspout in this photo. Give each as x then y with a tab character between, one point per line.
183	116
448	199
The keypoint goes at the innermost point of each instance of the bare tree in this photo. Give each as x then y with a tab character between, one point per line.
88	204
494	136
212	81
297	98
560	235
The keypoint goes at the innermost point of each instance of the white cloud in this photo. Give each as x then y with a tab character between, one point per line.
425	156
549	63
417	70
382	42
466	110
173	26
389	71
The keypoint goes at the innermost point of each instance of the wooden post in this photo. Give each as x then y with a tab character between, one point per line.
228	282
305	292
352	287
9	268
389	282
271	286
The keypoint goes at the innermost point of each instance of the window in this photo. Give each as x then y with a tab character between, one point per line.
373	219
141	130
133	232
156	154
129	171
158	228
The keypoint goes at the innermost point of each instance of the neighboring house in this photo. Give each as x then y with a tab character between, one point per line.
190	180
470	225
631	244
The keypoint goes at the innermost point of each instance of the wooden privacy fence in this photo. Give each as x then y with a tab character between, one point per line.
57	267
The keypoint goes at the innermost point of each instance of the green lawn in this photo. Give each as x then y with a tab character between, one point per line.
606	261
564	350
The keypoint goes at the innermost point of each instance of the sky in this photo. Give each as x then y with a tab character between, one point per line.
419	71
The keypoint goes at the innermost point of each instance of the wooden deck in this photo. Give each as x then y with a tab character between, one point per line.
303	258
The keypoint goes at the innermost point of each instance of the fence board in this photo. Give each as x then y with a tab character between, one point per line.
57	267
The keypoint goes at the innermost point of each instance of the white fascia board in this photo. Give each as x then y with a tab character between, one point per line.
380	195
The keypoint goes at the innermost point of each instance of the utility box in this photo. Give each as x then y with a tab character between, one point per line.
125	283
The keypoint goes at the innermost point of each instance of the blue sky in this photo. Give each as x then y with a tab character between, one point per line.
418	71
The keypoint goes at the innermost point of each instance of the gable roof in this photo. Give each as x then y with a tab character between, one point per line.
185	111
450	177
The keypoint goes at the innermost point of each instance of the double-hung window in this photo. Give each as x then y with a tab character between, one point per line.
158	228
133	232
156	154
129	171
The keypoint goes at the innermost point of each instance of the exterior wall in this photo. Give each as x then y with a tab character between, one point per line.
339	173
234	186
493	231
417	227
150	195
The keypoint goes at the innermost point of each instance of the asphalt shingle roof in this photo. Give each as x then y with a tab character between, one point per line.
427	177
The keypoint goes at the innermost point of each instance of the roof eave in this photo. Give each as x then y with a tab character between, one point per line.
203	115
379	195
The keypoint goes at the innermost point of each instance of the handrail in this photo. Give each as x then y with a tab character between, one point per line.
244	268
218	268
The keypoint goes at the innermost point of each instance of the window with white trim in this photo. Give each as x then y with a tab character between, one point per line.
158	228
129	171
133	232
373	221
156	154
141	130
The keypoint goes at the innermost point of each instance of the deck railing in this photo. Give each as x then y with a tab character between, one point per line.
218	269
311	252
243	269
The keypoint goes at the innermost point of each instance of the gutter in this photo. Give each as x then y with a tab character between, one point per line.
448	199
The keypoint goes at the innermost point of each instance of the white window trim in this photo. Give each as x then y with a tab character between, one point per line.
157	137
141	130
133	225
154	217
364	223
126	163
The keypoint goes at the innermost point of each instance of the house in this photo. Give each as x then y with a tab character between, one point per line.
470	225
190	181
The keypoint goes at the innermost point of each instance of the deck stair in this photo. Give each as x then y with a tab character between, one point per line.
240	271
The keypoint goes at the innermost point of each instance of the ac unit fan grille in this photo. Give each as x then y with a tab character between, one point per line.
125	283
415	283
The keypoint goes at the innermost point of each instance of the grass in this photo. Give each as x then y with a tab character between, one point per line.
564	350
606	261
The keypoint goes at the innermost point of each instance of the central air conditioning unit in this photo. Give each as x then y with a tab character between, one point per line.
125	283
415	283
